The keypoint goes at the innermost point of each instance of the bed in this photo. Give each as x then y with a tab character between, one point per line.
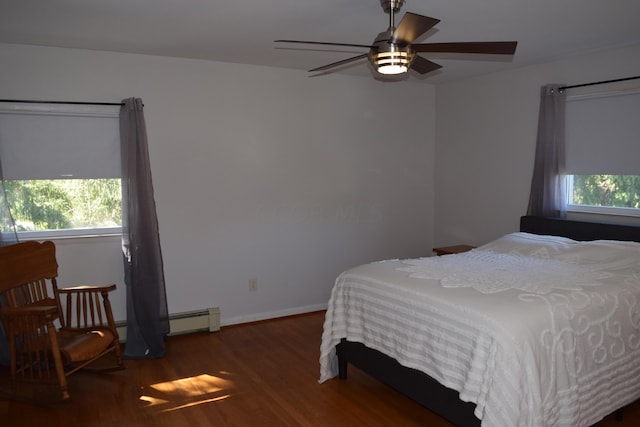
552	339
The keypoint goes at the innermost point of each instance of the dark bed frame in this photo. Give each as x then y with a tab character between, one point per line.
427	391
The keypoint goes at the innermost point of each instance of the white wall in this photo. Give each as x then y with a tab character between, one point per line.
259	173
486	131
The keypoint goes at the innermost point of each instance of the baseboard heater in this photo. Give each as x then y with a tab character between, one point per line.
184	323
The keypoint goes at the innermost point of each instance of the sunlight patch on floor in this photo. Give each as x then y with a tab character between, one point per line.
193	386
186	392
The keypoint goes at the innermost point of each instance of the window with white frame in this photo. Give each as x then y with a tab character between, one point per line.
603	152
61	166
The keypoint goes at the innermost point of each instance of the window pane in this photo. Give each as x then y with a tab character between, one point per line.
39	205
622	191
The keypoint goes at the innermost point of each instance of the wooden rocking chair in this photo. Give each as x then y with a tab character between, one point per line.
41	354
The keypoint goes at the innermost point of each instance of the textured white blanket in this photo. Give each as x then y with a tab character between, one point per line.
547	333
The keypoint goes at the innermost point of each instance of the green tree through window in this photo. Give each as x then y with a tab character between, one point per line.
621	191
40	205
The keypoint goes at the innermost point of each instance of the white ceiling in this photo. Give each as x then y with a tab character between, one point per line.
243	31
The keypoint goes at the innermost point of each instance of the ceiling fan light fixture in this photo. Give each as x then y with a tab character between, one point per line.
392	62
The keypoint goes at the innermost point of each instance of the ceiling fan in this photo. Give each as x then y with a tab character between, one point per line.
393	51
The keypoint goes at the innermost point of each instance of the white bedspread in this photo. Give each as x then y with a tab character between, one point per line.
535	330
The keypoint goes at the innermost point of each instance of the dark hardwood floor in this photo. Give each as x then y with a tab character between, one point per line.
260	374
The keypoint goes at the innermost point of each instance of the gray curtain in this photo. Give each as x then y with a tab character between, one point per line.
547	197
8	236
147	314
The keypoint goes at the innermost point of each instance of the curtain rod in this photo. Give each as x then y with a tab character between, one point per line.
561	88
61	102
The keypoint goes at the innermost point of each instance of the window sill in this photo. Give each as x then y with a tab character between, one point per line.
604	210
78	233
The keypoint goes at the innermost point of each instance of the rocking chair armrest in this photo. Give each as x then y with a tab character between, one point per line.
88	288
50	312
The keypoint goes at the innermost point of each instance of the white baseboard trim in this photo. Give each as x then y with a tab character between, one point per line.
184	323
271	314
209	319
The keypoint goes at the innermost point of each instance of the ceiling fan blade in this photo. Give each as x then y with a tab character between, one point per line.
424	66
493	48
324	43
344	61
411	27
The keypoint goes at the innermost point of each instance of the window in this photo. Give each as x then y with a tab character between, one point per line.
61	167
68	206
611	194
602	148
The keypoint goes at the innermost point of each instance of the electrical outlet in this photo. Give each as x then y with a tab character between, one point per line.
253	285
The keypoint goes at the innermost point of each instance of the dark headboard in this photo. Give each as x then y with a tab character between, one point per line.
579	230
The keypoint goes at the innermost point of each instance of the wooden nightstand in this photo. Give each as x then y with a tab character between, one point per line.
455	249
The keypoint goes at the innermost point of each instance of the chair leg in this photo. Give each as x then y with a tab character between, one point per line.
118	352
57	362
111	321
